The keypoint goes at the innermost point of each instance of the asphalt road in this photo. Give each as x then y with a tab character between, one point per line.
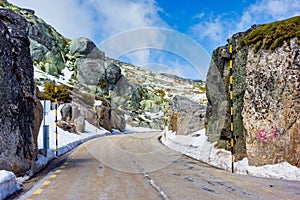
137	166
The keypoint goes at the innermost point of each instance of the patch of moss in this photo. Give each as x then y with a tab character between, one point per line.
270	36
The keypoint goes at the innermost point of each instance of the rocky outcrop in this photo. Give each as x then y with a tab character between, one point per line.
79	123
186	116
84	48
104	115
96	74
217	91
67	120
38	118
265	95
17	145
66	112
91	66
271	110
47	47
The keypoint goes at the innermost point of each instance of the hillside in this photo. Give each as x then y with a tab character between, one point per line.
140	96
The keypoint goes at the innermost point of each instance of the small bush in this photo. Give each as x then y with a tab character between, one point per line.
62	95
159	92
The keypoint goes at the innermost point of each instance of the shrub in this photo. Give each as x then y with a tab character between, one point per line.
62	95
159	92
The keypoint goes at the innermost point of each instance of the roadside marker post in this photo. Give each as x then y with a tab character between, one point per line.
56	122
231	107
165	131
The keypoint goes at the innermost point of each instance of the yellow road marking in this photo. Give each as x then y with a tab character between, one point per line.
53	176
247	182
267	190
58	171
62	167
38	191
30	199
46	183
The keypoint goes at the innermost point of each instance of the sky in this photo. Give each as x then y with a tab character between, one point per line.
203	24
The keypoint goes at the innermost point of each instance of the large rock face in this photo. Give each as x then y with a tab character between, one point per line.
17	146
217	91
271	113
91	65
265	97
187	116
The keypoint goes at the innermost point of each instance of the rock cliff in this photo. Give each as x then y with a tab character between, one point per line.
18	124
271	111
266	81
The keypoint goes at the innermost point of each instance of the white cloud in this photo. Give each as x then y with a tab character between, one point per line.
102	19
116	16
135	42
214	30
266	11
71	18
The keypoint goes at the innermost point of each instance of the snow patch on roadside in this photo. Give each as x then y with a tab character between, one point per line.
8	184
197	146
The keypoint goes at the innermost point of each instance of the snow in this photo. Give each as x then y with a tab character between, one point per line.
66	140
155	115
131	129
62	79
67	74
98	103
8	184
197	146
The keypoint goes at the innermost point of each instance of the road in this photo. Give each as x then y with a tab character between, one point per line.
137	166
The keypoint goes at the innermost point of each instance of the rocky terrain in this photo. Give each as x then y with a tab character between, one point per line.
21	112
115	82
110	93
101	90
266	64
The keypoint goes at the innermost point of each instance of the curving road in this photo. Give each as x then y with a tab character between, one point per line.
137	166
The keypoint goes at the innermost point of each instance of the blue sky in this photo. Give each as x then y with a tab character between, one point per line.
207	23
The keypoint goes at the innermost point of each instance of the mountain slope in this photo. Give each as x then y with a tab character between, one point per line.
143	96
